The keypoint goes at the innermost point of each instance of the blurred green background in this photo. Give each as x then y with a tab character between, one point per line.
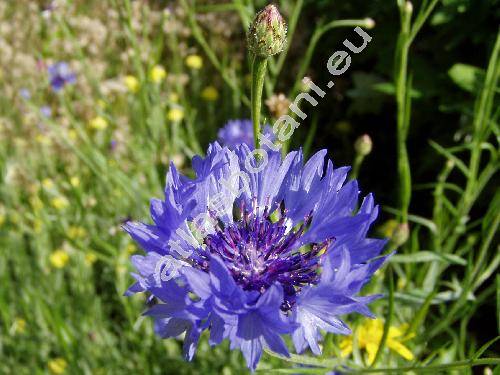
155	80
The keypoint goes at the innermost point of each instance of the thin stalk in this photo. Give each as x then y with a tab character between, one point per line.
313	42
356	165
388	321
402	99
259	67
469	282
431	368
483	112
197	34
292	25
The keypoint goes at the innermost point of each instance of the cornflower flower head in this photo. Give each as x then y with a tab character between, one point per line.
236	132
60	75
46	111
280	250
25	93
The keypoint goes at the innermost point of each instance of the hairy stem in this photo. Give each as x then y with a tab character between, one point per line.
259	67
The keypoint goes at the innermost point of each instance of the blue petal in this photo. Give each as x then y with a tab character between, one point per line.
199	282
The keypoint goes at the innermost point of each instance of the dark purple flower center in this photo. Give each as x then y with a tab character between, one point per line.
259	251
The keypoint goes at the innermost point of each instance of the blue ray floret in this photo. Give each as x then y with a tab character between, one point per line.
285	252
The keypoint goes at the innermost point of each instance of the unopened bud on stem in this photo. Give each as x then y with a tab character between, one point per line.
363	145
369	23
267	33
408	7
401	234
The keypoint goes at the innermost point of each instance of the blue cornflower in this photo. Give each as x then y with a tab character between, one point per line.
236	132
46	111
251	253
60	75
25	93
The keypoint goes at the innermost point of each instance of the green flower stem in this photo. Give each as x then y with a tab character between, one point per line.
356	165
388	321
402	100
259	67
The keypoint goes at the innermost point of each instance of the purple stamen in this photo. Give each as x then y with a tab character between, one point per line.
259	253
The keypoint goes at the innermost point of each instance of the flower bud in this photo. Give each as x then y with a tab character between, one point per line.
408	7
267	33
369	23
363	145
401	234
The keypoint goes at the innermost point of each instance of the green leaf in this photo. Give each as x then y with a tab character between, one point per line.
485	347
294	370
427	256
420	315
389	89
306	360
449	155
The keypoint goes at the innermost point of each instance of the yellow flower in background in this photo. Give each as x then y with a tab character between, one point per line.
173	97
210	94
74	181
72	134
20	325
2	219
131	248
59	258
37	226
368	336
47	183
75	232
157	74
90	258
194	61
59	203
101	103
387	228
57	366
98	123
132	83
43	139
175	114
36	202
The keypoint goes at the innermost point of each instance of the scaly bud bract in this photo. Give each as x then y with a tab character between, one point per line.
267	34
